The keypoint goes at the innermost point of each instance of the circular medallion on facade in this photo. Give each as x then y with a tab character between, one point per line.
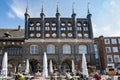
53	24
63	24
47	35
69	34
38	35
37	24
78	24
31	24
86	35
69	24
79	35
31	35
47	24
63	35
54	35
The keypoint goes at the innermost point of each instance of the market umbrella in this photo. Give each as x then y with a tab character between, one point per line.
27	69
4	70
45	66
73	66
84	65
51	67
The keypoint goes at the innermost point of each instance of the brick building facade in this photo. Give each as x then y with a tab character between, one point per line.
63	39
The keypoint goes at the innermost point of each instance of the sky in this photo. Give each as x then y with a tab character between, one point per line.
105	13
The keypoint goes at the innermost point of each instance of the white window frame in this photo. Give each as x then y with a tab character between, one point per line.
116	58
113	41
107	41
115	49
108	49
109	57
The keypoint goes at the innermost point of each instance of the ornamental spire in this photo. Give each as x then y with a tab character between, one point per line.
88	8
57	8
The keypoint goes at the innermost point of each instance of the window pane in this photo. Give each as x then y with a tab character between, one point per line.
119	41
108	49
82	49
13	50
116	58
114	41
51	49
109	58
115	49
66	49
107	41
33	49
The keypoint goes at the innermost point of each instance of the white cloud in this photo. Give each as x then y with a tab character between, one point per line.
108	23
18	7
11	15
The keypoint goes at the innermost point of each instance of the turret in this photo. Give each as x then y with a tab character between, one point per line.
58	22
27	16
74	23
89	24
42	22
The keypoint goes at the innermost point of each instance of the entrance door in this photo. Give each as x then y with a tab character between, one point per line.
33	64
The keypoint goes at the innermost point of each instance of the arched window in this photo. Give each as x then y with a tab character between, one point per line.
34	49
13	50
51	49
82	49
66	49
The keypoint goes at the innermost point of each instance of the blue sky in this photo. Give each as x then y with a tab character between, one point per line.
105	13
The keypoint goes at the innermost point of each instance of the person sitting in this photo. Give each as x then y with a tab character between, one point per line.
97	76
19	76
68	76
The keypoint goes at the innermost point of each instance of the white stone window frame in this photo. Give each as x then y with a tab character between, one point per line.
107	41
109	58
114	41
108	49
116	58
115	49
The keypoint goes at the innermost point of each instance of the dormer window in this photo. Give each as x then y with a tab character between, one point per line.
7	34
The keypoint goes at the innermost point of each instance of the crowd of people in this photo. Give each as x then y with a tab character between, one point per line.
68	76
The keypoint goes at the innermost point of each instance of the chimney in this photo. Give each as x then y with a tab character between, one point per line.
19	28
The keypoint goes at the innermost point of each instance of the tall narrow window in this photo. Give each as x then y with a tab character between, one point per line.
82	49
13	50
116	58
108	49
34	49
115	49
107	41
109	58
114	41
66	49
51	49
